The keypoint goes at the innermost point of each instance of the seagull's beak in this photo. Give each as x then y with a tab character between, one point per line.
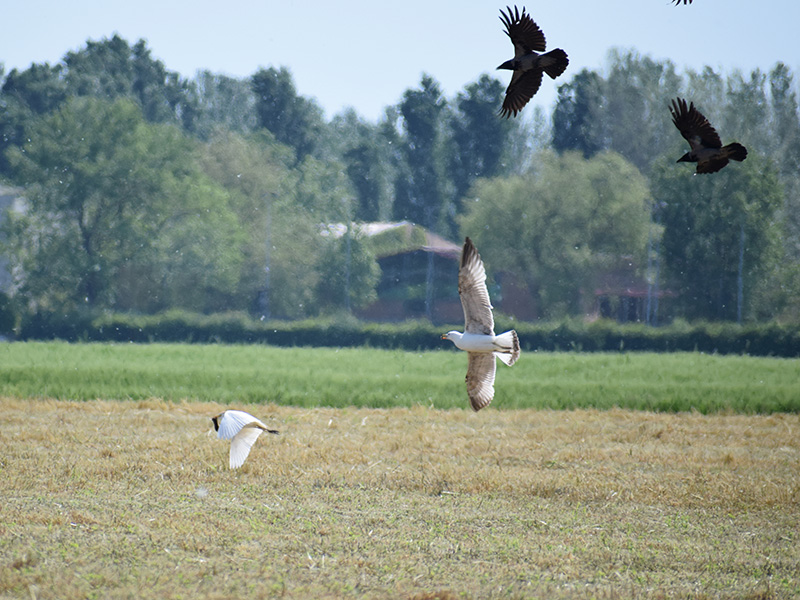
444	336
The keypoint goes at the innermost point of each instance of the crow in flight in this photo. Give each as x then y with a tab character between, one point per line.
527	64
706	147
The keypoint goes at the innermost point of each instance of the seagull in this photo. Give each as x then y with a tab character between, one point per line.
706	148
478	339
527	65
243	429
677	2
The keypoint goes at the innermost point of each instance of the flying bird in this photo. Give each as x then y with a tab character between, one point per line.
527	65
677	2
478	339
706	147
242	429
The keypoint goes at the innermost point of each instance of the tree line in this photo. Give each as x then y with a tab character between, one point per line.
146	191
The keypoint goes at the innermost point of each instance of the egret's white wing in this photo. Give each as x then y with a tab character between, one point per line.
233	421
472	290
241	444
480	379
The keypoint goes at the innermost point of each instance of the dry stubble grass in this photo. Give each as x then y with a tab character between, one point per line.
116	499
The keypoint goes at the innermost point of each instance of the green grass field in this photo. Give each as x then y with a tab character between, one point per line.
376	378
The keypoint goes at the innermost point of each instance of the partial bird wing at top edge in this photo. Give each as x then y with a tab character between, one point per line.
523	31
694	127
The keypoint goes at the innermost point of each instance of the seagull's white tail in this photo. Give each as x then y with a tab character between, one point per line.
507	345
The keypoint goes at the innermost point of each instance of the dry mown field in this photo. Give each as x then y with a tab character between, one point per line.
115	499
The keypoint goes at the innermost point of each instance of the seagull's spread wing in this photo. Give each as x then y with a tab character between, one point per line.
523	31
480	379
231	422
524	84
241	444
474	295
694	127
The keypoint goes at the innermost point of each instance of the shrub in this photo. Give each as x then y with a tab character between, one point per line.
771	339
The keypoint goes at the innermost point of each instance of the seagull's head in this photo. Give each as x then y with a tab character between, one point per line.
509	64
452	336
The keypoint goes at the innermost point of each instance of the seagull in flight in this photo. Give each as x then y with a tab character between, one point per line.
242	429
527	64
706	147
478	339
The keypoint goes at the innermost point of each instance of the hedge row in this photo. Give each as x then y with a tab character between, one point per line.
234	328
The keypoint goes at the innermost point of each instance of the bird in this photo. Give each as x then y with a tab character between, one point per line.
242	429
527	64
478	339
677	2
706	148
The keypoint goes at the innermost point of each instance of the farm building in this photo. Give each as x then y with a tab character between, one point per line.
419	272
624	295
419	280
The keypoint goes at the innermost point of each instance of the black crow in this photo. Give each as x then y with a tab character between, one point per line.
706	148
527	65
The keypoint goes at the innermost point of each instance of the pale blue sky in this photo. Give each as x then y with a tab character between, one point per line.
365	54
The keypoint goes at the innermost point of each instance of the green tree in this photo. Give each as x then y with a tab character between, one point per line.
746	110
293	119
115	204
480	139
785	148
558	227
349	271
625	111
577	120
720	232
112	68
421	190
282	210
362	149
635	118
786	120
277	280
25	95
223	103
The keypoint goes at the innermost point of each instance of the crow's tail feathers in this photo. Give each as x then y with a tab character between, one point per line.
735	151
554	62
